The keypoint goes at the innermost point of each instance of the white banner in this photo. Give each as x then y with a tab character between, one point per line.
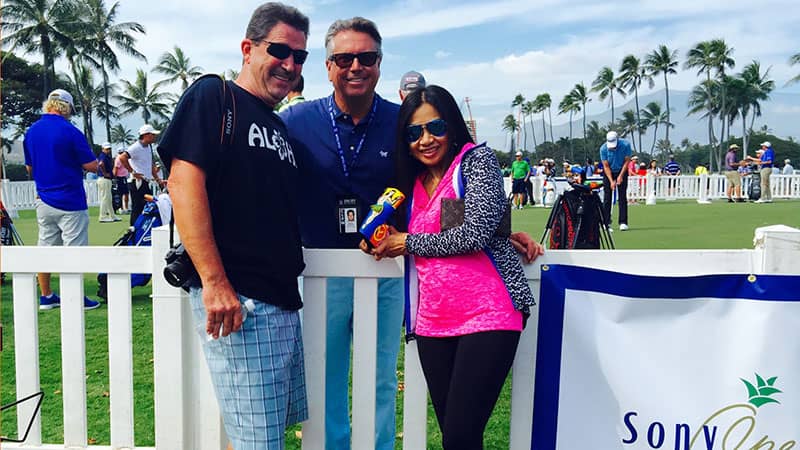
630	362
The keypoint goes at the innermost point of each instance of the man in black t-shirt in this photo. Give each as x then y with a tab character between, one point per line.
247	299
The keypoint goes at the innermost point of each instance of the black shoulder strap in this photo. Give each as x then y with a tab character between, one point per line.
226	132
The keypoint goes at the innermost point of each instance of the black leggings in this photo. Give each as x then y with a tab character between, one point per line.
465	375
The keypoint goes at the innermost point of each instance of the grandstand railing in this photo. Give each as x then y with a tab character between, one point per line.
186	413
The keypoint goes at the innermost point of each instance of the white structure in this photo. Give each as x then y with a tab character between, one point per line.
186	413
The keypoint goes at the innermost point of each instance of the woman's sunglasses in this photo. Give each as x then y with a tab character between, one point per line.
436	127
282	51
345	60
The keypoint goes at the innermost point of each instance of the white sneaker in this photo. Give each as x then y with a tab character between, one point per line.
623	227
760	201
610	230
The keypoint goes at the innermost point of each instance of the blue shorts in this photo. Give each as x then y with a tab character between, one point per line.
257	373
518	186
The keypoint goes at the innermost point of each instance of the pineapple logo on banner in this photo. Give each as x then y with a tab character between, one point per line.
732	427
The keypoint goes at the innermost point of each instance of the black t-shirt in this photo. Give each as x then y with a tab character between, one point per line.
251	184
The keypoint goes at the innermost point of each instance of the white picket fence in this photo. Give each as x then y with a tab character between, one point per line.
186	413
21	195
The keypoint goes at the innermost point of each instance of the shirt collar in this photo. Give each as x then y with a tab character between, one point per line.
338	114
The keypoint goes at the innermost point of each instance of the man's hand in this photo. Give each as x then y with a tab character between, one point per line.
223	309
525	246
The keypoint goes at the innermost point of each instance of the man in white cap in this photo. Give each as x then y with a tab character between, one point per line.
409	81
787	167
615	155
105	177
56	154
138	159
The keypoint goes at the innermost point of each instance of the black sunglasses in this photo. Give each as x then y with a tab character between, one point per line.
282	51
436	127
345	60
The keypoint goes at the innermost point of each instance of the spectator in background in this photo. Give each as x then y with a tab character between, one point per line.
653	168
787	167
765	162
633	165
672	168
701	169
519	173
121	179
56	154
104	181
295	95
409	81
733	176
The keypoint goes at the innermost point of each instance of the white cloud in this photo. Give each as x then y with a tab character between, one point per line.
441	54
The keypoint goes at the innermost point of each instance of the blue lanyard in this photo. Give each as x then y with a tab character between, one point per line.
335	128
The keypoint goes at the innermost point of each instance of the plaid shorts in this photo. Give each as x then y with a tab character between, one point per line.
257	373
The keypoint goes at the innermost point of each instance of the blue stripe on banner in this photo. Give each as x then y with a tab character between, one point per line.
556	279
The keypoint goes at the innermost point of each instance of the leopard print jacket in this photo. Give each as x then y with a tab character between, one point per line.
484	205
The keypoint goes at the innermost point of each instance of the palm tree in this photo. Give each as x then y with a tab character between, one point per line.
539	107
794	59
177	66
704	97
511	125
518	101
632	74
756	88
546	103
88	99
569	105
580	96
722	59
702	57
37	26
528	109
663	60
606	84
139	95
655	116
628	125
103	33
122	135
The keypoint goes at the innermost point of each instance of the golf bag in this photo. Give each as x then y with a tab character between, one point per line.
137	235
8	234
116	196
754	190
576	221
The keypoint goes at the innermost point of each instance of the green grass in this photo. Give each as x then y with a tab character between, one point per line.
668	225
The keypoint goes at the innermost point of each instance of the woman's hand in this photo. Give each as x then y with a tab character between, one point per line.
525	246
393	245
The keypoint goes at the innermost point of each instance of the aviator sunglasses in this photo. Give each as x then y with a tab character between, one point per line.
436	127
282	51
345	60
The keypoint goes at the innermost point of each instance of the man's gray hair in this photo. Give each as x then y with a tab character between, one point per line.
358	24
268	15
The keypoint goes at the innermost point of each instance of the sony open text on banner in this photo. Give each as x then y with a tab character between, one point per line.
636	362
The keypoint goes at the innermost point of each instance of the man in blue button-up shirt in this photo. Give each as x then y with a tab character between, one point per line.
345	145
615	155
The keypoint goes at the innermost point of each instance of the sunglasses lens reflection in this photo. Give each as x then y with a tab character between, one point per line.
345	60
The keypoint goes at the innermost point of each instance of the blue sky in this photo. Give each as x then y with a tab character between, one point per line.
489	50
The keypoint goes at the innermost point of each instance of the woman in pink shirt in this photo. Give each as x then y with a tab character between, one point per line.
121	178
468	296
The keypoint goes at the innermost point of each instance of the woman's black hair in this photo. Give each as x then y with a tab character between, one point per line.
408	167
